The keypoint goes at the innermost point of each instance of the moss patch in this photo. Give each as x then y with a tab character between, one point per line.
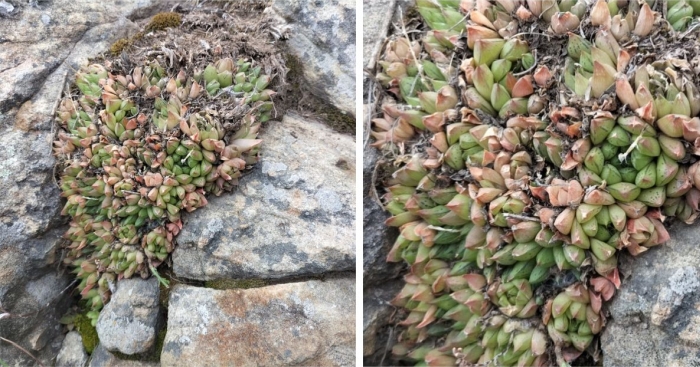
162	21
160	341
88	332
119	46
221	284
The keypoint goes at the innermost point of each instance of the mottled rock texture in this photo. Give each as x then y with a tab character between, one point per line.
72	353
292	216
129	322
655	316
322	36
302	324
42	44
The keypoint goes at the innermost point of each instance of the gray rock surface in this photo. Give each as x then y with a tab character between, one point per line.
43	43
129	322
376	312
101	357
292	216
377	238
655	317
322	35
72	353
377	17
304	324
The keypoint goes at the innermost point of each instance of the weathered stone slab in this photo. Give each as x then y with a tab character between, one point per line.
129	322
72	352
655	316
294	215
302	324
322	36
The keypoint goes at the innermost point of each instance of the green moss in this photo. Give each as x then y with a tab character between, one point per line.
235	283
119	46
164	20
160	341
88	332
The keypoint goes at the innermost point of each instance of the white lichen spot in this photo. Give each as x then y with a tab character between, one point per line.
214	226
684	281
329	200
273	169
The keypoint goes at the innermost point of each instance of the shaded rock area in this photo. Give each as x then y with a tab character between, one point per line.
43	43
378	238
378	333
655	316
129	322
381	280
292	216
72	353
101	357
310	324
322	36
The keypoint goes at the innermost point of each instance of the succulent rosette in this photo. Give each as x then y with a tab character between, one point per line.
129	173
532	142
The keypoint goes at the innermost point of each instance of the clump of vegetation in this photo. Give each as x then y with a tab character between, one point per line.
518	175
163	21
137	150
83	324
118	46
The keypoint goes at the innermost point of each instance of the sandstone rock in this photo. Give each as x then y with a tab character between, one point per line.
322	36
292	216
129	322
309	323
101	357
656	313
43	43
72	353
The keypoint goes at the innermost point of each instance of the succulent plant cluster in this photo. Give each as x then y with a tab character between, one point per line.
138	150
520	176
